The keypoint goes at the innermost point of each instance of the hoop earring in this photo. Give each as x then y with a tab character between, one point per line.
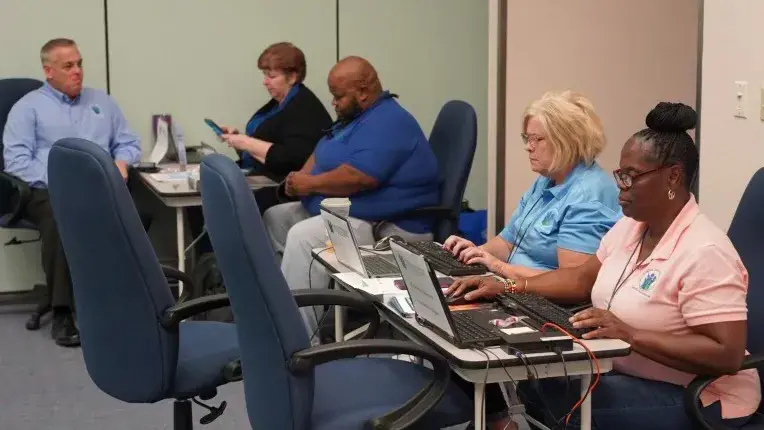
671	194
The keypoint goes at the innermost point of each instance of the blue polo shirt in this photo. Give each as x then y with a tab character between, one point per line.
574	215
386	143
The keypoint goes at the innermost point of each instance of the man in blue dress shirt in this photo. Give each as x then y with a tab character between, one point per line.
61	108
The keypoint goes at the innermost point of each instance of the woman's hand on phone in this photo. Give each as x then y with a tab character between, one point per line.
229	130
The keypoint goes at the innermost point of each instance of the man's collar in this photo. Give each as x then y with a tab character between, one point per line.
61	96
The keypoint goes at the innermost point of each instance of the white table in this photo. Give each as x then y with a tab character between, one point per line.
471	364
183	194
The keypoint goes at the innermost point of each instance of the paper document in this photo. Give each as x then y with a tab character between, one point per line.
162	143
376	286
170	176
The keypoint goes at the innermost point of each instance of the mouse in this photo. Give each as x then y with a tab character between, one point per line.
384	243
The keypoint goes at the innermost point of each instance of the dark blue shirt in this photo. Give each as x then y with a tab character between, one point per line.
386	143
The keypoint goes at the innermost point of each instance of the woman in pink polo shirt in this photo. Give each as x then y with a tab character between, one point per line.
665	280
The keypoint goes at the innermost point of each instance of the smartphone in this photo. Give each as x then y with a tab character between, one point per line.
216	128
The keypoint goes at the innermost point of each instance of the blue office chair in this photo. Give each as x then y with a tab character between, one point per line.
747	234
453	140
14	196
136	347
287	383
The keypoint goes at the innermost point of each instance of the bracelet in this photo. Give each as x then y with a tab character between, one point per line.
510	286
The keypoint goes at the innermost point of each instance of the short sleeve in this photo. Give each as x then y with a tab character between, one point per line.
584	225
612	238
381	145
714	287
509	233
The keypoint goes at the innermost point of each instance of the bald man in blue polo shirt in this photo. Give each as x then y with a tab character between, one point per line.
377	155
61	108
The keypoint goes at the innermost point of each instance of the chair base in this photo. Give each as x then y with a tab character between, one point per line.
183	418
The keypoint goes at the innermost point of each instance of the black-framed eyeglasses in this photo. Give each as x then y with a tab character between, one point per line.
626	180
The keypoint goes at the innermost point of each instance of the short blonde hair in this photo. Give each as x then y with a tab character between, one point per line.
573	128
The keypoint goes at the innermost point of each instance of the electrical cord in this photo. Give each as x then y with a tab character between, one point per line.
592	360
485	381
511	379
310	286
534	380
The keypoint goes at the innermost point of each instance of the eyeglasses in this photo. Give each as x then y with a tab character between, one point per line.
531	139
626	180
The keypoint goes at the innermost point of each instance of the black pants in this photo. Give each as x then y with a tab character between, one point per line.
265	197
54	264
57	278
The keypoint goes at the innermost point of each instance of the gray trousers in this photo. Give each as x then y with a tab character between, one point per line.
295	233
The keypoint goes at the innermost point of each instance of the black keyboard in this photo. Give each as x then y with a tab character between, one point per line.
541	310
378	265
445	262
469	330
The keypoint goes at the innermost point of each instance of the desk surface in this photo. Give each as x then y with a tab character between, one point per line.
473	358
165	187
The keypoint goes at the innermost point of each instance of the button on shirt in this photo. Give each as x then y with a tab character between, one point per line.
386	143
46	115
693	277
574	215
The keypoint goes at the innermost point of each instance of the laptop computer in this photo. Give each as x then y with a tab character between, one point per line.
349	255
463	328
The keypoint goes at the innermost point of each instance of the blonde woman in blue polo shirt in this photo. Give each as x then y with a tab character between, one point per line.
561	219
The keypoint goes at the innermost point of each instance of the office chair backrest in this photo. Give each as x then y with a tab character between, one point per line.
11	90
453	139
120	292
747	234
269	325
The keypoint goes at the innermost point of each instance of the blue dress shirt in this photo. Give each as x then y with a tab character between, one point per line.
46	115
574	215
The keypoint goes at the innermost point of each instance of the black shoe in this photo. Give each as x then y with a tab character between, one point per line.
64	331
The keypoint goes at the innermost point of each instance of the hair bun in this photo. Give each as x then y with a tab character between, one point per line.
672	118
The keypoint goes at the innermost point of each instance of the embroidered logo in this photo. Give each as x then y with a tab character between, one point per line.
548	221
96	109
648	281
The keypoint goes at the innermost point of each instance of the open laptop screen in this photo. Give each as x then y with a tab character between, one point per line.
423	290
343	242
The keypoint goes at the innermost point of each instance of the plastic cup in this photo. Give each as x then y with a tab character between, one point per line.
338	205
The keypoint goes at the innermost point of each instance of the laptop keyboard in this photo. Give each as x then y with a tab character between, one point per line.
469	330
377	265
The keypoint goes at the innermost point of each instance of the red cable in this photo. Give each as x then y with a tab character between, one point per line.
591	387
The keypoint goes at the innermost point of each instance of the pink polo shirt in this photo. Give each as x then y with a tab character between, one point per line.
693	277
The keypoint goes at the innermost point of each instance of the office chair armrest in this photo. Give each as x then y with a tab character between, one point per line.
189	291
25	195
183	310
340	298
692	403
411	411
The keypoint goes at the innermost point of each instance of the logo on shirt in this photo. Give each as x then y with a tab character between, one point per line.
647	283
548	221
96	109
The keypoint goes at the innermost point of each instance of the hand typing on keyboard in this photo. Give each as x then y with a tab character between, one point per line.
475	287
603	324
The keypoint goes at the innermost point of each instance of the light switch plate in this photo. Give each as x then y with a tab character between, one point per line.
761	102
741	99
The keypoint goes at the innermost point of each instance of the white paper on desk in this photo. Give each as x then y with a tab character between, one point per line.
170	176
376	286
162	143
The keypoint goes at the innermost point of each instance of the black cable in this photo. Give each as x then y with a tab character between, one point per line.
534	381
310	286
558	351
485	382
